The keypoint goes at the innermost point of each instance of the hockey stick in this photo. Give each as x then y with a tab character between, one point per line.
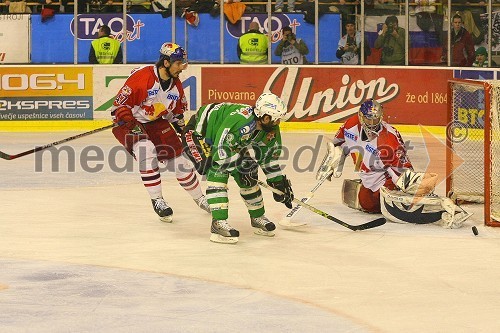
287	220
31	151
368	225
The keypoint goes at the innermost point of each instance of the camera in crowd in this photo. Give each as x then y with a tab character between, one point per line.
391	22
391	27
288	35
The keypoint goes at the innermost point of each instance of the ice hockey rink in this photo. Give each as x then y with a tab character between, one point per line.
83	251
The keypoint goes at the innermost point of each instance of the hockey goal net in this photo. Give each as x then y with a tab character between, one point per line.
473	162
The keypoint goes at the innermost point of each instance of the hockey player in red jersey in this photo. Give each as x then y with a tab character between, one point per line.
387	183
377	150
149	110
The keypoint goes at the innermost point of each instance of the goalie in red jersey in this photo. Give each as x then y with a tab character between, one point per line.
149	110
387	183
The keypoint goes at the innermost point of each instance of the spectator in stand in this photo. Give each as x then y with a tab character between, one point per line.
252	46
66	7
462	45
4	9
349	47
49	4
291	49
392	41
101	6
482	58
279	6
105	49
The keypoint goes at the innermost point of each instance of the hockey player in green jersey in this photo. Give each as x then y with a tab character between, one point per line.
219	140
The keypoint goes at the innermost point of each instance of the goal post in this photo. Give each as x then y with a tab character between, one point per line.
473	136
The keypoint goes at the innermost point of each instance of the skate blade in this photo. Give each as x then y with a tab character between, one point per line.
260	232
216	238
289	224
167	219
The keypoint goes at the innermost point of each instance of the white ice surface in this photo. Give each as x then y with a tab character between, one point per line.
84	252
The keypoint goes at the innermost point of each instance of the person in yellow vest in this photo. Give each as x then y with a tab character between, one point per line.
252	46
105	49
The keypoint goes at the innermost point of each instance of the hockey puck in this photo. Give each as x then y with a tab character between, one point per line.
474	230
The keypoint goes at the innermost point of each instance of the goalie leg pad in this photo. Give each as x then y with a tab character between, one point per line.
350	193
401	207
454	215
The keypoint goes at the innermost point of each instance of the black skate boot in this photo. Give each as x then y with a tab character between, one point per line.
163	210
262	226
222	232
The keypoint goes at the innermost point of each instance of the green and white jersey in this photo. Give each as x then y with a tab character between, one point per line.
228	128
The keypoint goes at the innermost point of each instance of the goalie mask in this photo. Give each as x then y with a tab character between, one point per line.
370	116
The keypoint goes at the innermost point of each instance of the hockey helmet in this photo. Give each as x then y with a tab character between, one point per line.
172	52
271	105
370	115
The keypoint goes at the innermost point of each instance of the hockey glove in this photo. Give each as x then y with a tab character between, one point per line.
249	171
285	186
125	118
178	124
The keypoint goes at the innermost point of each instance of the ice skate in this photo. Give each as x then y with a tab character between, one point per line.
262	226
203	204
163	210
222	232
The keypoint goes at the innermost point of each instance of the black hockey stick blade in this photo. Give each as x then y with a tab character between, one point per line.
34	150
368	225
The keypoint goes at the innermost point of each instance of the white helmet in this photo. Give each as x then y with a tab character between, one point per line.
271	105
370	116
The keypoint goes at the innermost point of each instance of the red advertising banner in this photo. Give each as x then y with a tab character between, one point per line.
330	94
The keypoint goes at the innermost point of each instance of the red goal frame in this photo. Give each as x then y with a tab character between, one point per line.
487	147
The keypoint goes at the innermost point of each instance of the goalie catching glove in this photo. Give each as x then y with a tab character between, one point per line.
285	186
417	183
332	164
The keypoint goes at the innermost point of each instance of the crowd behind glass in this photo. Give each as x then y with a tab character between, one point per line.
436	16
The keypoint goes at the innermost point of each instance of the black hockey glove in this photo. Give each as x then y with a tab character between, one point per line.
178	124
249	171
284	186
